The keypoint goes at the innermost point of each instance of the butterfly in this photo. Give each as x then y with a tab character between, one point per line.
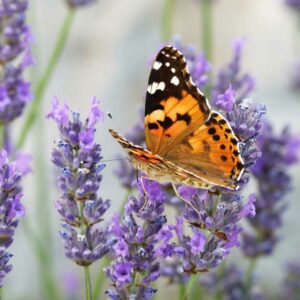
186	141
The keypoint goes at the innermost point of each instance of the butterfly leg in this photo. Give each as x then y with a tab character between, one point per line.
184	200
145	193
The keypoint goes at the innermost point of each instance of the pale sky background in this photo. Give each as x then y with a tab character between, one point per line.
107	56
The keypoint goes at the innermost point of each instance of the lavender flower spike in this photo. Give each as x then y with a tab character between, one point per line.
78	157
135	265
11	209
15	56
279	153
79	3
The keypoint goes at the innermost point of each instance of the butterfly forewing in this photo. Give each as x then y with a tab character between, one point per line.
174	105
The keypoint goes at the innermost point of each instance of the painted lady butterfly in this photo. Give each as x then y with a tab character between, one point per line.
187	142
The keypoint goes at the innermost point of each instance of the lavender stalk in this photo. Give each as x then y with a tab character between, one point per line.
78	158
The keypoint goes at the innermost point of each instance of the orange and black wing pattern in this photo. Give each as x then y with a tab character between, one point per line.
211	152
175	107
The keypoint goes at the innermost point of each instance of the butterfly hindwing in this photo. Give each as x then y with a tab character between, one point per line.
211	152
174	105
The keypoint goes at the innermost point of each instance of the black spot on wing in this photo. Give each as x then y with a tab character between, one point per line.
166	123
185	117
153	126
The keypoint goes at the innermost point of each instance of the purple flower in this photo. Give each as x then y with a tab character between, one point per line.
15	57
226	101
246	120
294	4
11	208
291	282
279	152
140	235
231	284
242	84
198	65
78	157
218	216
79	3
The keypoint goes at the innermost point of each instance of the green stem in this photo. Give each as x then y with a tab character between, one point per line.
100	278
48	283
45	78
88	285
249	272
2	133
190	284
207	28
166	21
181	291
87	277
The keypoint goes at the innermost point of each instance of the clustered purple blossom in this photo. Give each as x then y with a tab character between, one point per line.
79	3
231	283
78	158
11	208
15	56
138	234
214	226
279	153
246	120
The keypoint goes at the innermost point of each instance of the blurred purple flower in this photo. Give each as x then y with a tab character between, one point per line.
72	285
291	283
15	57
139	234
231	284
243	84
125	172
11	209
198	65
226	101
295	4
295	75
78	157
279	152
79	3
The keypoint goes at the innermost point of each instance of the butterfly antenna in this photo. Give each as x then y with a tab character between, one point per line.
114	159
111	117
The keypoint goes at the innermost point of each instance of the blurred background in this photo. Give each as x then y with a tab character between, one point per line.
107	55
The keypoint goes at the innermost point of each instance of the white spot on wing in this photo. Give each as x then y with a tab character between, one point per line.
167	64
173	70
175	80
161	86
157	65
152	88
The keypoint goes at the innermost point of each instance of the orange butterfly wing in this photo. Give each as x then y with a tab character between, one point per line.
174	105
211	152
